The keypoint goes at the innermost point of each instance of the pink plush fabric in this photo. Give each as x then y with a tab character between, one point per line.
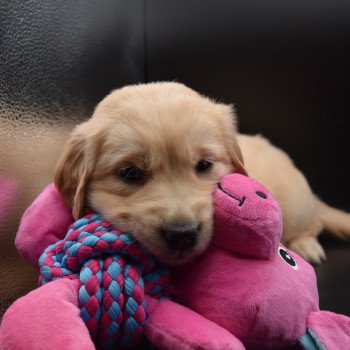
263	300
246	223
46	318
171	326
43	223
245	286
332	330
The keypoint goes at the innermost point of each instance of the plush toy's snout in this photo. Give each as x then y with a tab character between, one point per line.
238	199
247	218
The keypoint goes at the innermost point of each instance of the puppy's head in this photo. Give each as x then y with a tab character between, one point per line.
148	161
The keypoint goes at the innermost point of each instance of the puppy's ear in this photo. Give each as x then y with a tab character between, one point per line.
237	157
72	174
228	125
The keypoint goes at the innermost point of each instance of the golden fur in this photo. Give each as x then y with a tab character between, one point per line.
164	130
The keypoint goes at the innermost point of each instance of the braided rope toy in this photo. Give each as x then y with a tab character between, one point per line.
115	274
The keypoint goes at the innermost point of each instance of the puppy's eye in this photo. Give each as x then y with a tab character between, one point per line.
132	175
203	165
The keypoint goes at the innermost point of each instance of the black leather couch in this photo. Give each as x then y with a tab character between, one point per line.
285	65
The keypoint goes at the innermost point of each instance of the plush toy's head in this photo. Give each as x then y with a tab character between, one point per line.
247	282
248	220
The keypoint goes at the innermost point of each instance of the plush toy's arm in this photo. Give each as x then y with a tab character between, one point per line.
172	326
44	222
53	316
46	318
326	330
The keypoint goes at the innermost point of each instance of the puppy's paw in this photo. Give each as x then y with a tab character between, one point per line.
308	248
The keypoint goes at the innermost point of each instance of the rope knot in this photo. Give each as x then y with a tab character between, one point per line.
115	274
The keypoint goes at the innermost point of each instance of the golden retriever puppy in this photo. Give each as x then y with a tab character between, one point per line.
150	156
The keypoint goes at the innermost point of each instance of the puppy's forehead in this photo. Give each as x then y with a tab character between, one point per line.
172	128
163	122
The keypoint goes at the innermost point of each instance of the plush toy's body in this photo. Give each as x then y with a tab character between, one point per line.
246	289
247	282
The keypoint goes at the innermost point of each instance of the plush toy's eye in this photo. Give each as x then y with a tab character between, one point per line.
261	194
203	165
287	258
132	175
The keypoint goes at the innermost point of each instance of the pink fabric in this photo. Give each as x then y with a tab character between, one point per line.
331	329
264	302
171	326
44	222
244	222
241	287
46	318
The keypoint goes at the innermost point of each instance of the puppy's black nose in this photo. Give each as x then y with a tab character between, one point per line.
180	236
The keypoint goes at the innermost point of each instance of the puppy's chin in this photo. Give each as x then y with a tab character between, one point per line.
145	225
179	258
176	258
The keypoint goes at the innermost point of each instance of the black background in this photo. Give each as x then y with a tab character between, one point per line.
284	64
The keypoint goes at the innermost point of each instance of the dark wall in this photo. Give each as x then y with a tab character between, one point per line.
284	64
59	58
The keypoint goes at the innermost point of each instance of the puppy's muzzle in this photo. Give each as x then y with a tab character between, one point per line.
180	236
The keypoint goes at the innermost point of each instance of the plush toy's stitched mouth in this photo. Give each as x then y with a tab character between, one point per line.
240	200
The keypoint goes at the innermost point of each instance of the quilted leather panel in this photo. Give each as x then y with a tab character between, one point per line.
57	60
284	64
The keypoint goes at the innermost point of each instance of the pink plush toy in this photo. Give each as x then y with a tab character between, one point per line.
245	291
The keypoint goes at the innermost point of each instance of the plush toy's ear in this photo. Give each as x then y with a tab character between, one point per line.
326	330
